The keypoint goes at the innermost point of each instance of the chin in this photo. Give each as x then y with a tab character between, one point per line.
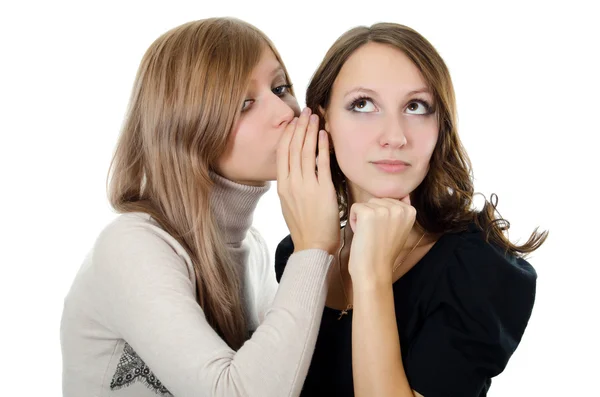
259	173
255	179
265	177
392	195
393	192
271	176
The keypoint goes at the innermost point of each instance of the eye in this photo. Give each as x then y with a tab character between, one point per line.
363	105
282	89
418	107
246	104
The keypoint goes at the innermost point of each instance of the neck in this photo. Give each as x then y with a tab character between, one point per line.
233	205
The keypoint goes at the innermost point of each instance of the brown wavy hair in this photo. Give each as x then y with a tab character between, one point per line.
444	200
186	98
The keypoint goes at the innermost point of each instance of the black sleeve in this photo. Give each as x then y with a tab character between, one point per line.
482	306
283	252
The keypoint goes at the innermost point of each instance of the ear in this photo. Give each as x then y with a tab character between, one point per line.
323	113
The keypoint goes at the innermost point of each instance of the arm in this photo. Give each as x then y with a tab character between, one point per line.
381	227
376	360
147	297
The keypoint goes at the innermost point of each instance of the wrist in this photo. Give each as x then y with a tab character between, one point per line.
313	246
328	247
370	282
371	290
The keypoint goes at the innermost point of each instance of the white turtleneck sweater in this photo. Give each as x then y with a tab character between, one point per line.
132	326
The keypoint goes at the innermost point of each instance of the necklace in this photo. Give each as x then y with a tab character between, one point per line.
349	306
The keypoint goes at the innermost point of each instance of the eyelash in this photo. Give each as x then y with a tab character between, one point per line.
287	87
428	107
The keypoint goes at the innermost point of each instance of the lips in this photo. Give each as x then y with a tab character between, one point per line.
391	162
391	166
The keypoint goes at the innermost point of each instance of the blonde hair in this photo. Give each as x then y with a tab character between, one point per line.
186	98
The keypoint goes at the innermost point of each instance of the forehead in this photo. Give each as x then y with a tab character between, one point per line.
380	67
267	67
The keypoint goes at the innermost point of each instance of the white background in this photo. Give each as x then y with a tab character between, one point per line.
526	78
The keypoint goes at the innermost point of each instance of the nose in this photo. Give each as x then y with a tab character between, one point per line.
393	135
281	112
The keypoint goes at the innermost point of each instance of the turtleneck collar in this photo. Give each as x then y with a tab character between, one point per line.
233	206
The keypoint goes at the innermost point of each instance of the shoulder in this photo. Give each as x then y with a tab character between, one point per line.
258	251
284	250
135	242
132	260
134	231
256	241
480	306
482	302
483	281
484	262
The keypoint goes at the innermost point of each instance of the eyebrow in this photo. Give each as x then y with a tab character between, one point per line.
278	70
422	90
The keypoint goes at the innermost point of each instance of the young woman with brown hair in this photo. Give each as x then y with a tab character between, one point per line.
428	297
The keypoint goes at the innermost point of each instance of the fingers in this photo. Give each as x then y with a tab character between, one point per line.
323	165
308	150
391	209
359	211
394	206
283	151
297	144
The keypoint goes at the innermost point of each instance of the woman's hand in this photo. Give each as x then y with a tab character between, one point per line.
308	198
381	228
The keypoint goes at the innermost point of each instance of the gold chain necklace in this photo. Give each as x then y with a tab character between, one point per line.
349	306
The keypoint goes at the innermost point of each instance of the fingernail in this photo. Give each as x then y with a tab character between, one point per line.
306	111
294	120
322	134
313	118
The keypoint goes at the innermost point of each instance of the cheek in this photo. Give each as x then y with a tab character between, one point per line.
236	135
255	141
350	141
242	141
424	137
430	143
292	102
248	132
427	146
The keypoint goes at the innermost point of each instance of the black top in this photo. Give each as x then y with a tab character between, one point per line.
461	312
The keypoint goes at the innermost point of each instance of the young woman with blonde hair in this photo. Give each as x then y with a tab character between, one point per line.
177	296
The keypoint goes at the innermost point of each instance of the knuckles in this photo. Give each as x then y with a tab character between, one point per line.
376	211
